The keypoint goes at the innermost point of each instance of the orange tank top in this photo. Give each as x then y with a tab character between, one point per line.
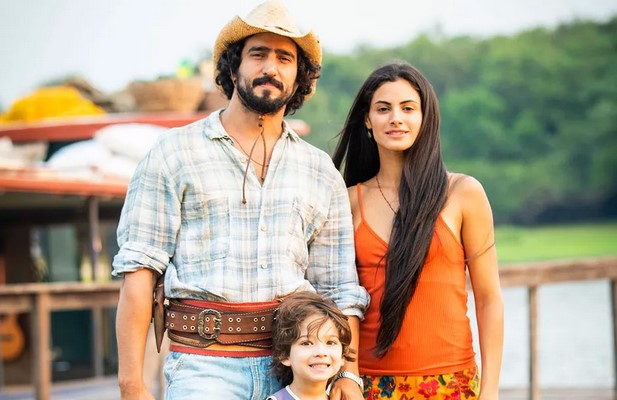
435	337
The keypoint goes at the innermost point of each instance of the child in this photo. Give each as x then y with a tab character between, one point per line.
311	340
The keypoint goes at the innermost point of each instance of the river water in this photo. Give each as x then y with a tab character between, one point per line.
576	339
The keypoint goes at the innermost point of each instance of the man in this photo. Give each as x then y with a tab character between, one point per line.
237	211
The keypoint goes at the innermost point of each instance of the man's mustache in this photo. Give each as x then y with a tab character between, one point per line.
267	79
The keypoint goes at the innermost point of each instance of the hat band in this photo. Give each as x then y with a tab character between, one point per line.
278	28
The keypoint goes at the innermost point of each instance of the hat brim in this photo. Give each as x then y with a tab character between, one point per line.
238	29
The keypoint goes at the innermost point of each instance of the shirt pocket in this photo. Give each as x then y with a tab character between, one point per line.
304	223
205	229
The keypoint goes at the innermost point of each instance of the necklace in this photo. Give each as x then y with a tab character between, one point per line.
263	165
384	196
245	152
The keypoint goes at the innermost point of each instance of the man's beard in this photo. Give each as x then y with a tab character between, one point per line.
262	104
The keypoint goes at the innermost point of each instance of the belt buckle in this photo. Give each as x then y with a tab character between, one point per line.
204	316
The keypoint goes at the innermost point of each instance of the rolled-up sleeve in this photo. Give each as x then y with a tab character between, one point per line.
332	269
150	217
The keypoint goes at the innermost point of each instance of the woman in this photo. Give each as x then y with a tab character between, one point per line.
418	228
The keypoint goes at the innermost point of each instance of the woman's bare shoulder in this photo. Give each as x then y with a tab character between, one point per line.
463	185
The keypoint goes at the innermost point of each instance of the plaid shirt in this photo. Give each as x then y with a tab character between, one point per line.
183	215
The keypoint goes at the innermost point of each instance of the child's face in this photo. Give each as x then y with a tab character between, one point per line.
318	356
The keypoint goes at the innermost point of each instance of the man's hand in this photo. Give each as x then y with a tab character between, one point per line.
129	392
345	389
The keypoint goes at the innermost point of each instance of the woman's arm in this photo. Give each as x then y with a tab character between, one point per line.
478	239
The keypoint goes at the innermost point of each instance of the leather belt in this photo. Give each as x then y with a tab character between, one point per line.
224	323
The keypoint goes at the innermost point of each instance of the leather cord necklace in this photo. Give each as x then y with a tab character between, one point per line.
245	152
264	166
384	196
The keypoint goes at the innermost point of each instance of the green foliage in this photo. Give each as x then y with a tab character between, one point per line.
516	244
532	116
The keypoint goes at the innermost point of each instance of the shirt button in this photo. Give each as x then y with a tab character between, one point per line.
263	227
264	266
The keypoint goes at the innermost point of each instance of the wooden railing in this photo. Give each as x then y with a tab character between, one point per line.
40	299
536	274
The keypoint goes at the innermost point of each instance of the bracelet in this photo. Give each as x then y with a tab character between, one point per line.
352	376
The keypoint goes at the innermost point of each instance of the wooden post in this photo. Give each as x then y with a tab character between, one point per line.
97	341
614	315
40	336
534	368
96	313
95	236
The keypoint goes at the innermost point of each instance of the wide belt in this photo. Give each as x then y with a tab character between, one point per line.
202	323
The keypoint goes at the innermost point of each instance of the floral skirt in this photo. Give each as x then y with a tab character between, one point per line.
461	385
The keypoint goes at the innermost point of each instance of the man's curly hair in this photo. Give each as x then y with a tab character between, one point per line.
229	62
296	308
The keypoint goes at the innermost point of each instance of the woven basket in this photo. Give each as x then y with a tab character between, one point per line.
182	95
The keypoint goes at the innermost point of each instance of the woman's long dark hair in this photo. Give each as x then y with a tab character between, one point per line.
422	191
229	62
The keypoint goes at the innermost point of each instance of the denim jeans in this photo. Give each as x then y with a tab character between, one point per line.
194	376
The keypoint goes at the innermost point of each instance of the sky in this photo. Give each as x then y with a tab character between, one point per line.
113	42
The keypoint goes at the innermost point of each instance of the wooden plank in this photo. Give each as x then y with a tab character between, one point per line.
40	338
534	274
15	303
54	183
81	301
84	127
58	287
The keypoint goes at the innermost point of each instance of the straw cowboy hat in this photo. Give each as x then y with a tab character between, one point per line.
270	16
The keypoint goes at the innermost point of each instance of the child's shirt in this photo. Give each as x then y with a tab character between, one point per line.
284	394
